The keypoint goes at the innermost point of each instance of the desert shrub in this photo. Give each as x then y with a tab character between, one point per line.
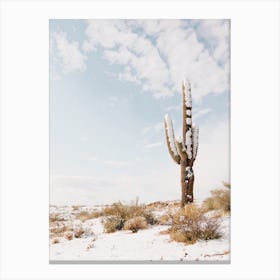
125	211
190	224
210	229
157	205
116	209
118	213
183	236
55	240
78	232
150	218
55	217
59	229
165	219
76	207
136	223
219	200
85	215
88	231
68	235
113	224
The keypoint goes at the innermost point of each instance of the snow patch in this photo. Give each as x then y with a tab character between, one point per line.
189	143
195	133
188	97
145	245
170	134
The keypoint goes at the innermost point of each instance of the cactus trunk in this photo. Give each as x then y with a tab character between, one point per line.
183	151
187	181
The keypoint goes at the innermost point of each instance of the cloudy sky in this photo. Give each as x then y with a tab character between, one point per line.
111	83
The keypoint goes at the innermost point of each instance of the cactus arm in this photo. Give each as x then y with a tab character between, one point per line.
170	140
184	110
195	133
181	148
187	120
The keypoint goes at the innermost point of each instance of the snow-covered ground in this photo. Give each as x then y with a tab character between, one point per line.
145	245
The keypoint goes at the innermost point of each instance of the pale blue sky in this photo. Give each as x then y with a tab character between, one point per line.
111	83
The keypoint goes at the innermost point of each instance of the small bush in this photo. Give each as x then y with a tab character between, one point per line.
55	240
134	224
116	209
68	235
60	229
76	207
219	200
55	218
119	213
190	224
150	218
210	229
187	237
113	224
78	233
165	219
190	214
84	215
125	211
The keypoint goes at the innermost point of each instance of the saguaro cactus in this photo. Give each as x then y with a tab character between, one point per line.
184	150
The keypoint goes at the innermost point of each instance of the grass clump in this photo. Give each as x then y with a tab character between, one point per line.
190	224
68	235
77	207
118	214
79	232
165	219
113	224
219	200
134	224
85	215
59	230
55	217
55	240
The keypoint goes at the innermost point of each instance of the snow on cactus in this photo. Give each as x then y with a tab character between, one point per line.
184	150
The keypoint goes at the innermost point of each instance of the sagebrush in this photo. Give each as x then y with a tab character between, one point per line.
190	224
119	213
219	200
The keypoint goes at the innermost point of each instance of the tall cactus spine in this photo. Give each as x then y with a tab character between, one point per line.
184	150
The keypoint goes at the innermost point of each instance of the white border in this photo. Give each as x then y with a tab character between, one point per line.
255	138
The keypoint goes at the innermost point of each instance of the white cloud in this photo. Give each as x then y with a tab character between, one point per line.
158	126
160	65
68	53
153	145
87	47
146	129
112	101
173	107
93	158
84	138
216	34
116	163
201	113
